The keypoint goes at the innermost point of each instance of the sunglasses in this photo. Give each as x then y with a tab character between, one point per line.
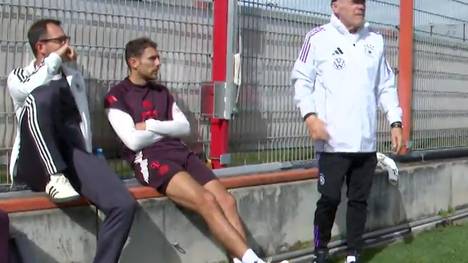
58	40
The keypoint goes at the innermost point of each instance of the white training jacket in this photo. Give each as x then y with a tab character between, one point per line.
22	81
342	77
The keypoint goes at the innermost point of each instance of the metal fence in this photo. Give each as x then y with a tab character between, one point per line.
268	127
269	34
440	91
99	31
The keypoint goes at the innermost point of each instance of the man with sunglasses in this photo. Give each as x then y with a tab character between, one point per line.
52	150
340	77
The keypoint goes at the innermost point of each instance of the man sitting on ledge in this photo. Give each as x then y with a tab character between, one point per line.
52	150
147	120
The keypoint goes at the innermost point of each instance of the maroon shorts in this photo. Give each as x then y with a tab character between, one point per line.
156	169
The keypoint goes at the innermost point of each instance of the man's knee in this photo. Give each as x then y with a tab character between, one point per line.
228	202
360	195
127	206
329	201
206	201
358	203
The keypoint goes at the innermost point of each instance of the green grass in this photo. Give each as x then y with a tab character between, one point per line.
441	245
266	156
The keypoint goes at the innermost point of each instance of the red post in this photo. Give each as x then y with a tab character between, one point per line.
219	127
405	78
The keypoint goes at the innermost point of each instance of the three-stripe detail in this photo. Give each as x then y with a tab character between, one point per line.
338	51
20	74
34	128
304	54
305	49
53	192
23	75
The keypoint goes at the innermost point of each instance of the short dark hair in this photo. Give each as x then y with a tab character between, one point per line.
134	48
38	30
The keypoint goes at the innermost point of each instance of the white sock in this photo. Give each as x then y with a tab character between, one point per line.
250	257
350	259
236	260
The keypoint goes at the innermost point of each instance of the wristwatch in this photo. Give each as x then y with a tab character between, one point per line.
396	124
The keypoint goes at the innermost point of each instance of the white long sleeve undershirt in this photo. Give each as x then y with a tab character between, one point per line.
135	140
177	127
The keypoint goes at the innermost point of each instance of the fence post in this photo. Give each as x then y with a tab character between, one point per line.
219	127
405	78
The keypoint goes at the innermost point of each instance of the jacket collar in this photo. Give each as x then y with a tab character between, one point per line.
336	23
31	67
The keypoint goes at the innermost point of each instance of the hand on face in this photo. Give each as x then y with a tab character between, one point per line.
56	41
66	52
72	54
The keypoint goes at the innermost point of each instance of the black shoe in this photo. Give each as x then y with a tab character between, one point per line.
321	256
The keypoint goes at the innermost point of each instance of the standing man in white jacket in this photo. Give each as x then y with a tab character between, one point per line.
340	78
53	143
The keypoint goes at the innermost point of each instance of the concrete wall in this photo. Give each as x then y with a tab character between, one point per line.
278	217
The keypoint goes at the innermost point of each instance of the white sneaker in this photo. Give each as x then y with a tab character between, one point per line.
60	190
350	259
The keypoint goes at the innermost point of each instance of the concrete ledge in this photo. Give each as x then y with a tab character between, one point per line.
28	201
277	210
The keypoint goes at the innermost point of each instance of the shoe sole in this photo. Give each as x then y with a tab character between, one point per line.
52	191
64	200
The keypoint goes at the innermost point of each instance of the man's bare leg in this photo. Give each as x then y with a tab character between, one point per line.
228	205
185	191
